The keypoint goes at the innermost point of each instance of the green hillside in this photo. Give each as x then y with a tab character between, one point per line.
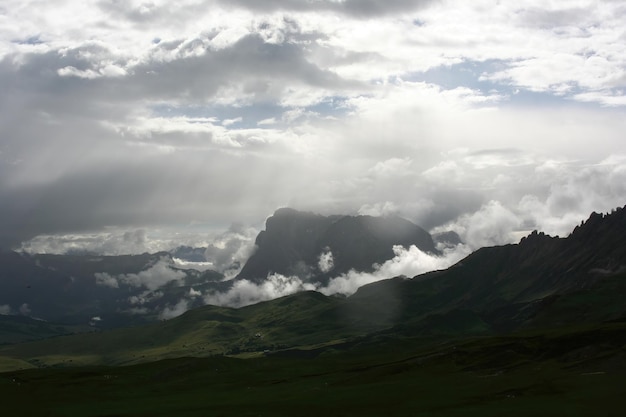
574	372
537	328
18	329
299	320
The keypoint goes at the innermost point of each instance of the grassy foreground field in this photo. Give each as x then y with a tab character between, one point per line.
574	372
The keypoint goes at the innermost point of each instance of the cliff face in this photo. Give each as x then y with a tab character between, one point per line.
293	241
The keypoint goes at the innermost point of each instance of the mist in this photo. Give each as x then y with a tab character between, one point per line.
407	262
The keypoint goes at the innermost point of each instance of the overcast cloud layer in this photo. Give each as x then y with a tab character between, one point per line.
119	118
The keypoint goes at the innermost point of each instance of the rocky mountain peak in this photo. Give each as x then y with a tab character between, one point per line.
293	242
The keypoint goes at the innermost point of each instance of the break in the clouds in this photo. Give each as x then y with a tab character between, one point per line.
119	119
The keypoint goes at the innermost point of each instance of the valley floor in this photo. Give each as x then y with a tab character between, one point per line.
572	372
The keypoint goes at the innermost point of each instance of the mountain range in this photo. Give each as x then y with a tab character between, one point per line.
294	242
116	291
541	281
537	323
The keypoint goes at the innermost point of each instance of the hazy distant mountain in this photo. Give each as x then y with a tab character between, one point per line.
131	289
117	290
295	243
188	253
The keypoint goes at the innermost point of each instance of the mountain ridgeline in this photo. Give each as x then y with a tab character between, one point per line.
100	292
293	242
542	281
535	328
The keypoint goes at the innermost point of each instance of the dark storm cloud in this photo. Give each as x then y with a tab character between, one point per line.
58	149
447	204
94	198
144	189
354	8
144	113
35	91
150	13
195	72
259	68
549	19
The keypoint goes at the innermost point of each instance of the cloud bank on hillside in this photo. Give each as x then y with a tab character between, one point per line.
407	262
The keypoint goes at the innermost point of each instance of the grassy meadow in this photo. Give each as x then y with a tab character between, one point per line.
573	372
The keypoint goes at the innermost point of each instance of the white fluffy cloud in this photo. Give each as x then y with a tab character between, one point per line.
138	116
108	243
156	276
229	251
492	225
244	292
552	197
152	278
326	261
106	280
225	252
406	262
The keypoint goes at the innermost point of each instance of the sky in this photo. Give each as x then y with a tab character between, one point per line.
131	126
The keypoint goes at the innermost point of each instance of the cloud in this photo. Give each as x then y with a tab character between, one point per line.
570	192
156	276
251	59
354	8
153	302
326	261
176	310
492	225
111	243
198	266
244	292
225	251
145	297
406	262
575	191
25	309
378	209
149	115
230	250
106	280
5	309
230	122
